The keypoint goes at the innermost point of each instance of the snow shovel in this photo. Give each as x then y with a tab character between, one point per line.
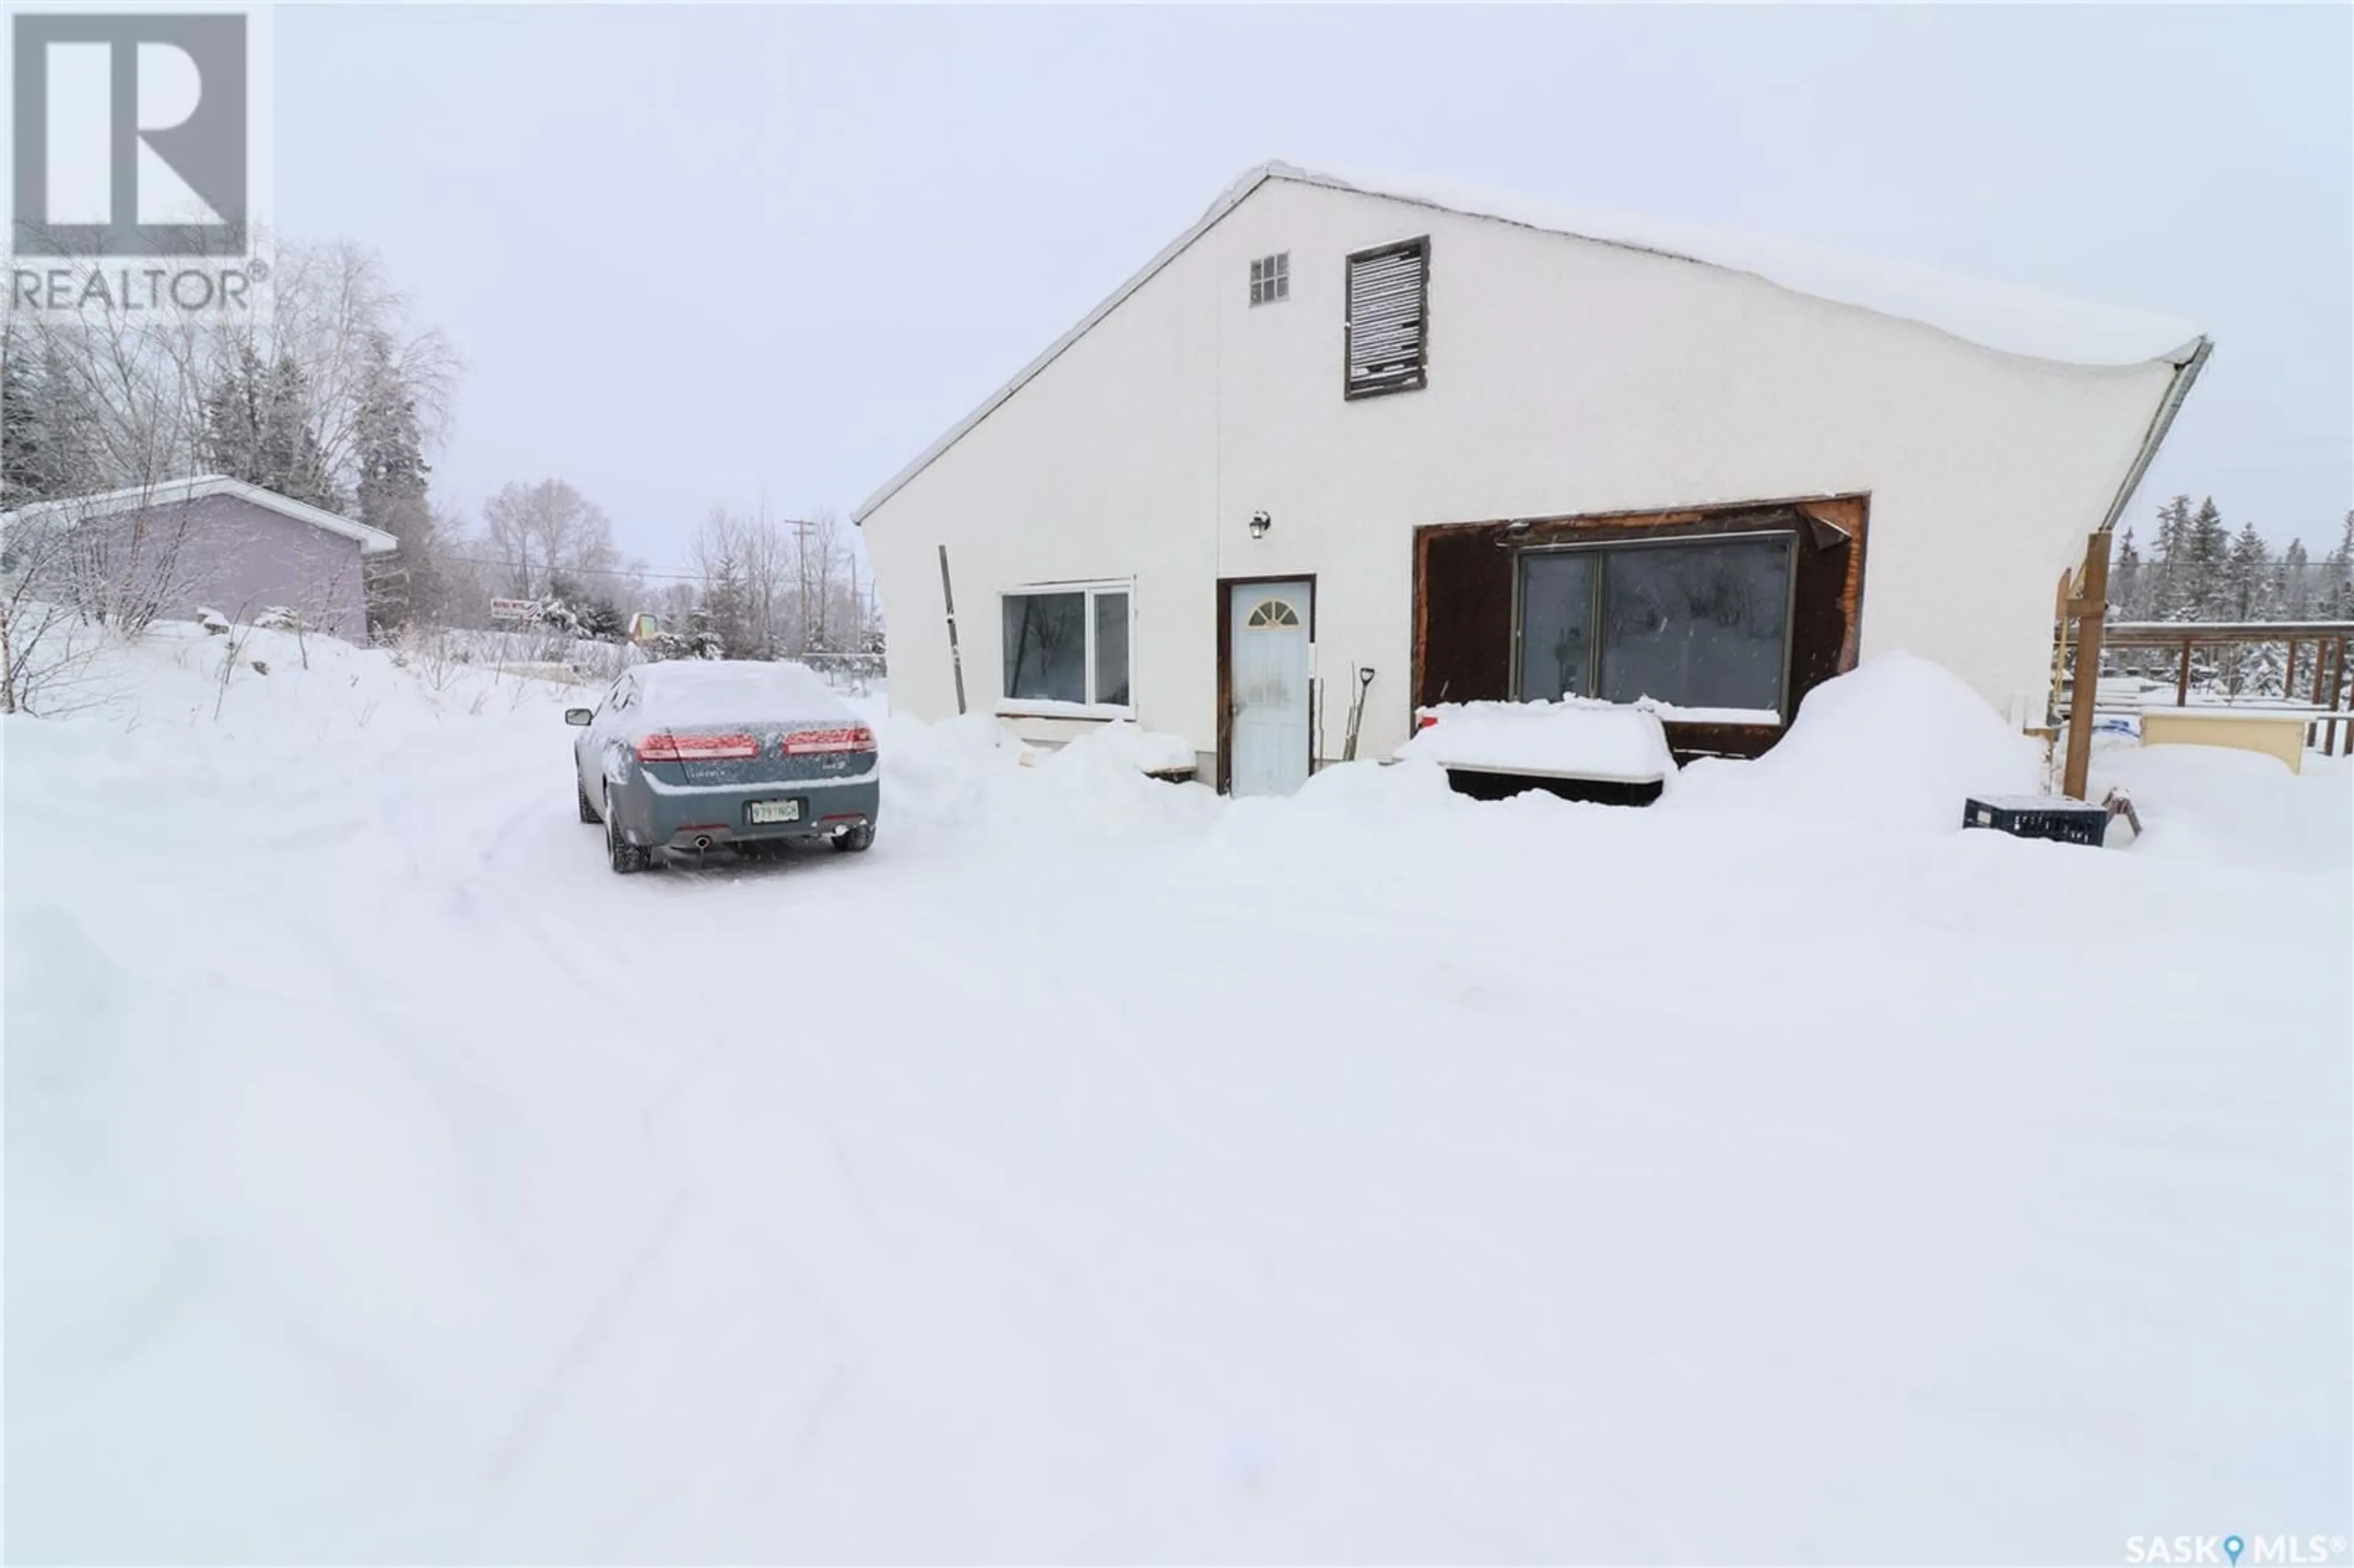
1356	714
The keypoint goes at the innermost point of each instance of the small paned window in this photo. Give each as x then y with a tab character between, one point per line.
1271	279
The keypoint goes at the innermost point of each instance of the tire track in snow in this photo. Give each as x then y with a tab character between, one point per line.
565	1373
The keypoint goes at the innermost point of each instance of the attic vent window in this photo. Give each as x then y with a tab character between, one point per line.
1271	279
1389	318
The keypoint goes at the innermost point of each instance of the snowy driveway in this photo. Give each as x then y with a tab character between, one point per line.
1097	1169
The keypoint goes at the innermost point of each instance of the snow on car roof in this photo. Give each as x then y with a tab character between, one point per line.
731	691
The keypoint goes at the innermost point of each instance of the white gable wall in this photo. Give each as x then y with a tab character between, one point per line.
1566	377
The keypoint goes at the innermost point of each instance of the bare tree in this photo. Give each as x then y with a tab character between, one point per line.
546	536
39	660
768	563
822	552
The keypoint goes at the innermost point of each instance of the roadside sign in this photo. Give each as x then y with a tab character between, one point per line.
510	609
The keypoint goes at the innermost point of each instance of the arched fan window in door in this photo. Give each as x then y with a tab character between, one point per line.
1270	614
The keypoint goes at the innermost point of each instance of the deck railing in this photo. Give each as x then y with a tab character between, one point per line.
2236	662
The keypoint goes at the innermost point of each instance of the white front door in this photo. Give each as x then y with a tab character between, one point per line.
1266	690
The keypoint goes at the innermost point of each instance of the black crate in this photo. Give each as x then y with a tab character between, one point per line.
2053	817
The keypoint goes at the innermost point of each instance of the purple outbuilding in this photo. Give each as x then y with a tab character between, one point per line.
183	546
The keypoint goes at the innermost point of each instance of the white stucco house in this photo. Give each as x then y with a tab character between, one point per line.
1490	450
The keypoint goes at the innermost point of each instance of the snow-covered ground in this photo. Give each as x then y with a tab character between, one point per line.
1097	1169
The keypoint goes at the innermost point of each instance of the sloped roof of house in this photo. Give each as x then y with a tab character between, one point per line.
1999	316
175	491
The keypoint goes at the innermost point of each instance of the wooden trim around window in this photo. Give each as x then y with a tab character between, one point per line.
1481	588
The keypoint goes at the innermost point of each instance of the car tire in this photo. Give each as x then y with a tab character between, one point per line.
624	856
588	807
855	840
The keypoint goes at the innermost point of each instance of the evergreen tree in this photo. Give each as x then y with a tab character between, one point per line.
602	619
389	493
59	441
232	416
2247	577
2293	583
2206	589
726	604
289	451
388	448
2125	579
2169	563
20	435
2339	580
257	427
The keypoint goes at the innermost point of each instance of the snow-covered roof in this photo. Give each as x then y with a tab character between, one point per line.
1994	316
1999	316
175	491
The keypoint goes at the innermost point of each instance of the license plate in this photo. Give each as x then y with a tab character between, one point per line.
763	811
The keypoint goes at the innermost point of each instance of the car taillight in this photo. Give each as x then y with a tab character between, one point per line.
811	742
664	746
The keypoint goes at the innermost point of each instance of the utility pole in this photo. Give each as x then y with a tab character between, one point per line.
801	528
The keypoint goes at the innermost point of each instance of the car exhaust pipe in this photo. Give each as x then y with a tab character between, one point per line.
702	841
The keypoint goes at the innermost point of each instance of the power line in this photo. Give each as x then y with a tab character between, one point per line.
800	526
583	571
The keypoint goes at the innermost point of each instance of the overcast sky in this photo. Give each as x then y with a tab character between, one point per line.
693	255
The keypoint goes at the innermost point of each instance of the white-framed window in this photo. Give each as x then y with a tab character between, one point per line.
1272	278
1066	648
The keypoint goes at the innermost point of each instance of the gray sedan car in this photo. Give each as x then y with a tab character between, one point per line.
707	754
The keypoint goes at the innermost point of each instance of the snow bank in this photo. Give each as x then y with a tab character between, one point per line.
1414	782
934	764
976	775
252	681
2217	804
389	1181
1994	316
1898	742
1123	745
1575	737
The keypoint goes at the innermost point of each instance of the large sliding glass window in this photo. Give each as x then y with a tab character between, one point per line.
1700	622
1557	614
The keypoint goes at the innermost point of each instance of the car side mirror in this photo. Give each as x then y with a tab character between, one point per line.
576	716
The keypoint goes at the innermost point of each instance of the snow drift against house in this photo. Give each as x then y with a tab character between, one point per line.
1897	742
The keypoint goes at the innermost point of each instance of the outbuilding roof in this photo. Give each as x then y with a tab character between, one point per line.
176	491
1999	316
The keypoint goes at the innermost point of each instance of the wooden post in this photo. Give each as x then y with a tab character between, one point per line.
2091	606
2182	678
2336	692
956	655
2060	630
